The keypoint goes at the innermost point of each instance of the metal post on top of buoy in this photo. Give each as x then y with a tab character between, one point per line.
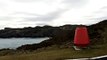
81	38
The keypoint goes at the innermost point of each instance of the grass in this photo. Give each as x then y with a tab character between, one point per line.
56	53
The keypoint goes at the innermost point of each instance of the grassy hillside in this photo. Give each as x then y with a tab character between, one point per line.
57	53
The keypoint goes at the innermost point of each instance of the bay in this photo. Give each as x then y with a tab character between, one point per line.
13	43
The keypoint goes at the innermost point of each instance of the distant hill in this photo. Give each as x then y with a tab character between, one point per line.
32	32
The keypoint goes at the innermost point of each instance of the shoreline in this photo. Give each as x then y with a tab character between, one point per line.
16	41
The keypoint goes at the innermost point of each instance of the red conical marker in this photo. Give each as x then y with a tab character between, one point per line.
81	38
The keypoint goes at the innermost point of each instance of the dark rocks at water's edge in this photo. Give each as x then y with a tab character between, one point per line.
64	34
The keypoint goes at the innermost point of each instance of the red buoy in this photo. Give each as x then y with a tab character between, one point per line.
81	38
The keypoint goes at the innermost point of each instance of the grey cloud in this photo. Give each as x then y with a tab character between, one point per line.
46	18
5	18
102	10
24	23
2	4
96	20
26	13
41	19
100	18
101	13
75	3
105	7
25	0
41	24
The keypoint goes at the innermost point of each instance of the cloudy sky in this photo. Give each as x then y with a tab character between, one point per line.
23	13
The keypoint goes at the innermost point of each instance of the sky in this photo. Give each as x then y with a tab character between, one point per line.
25	13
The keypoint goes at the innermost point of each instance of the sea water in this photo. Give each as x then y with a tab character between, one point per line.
16	42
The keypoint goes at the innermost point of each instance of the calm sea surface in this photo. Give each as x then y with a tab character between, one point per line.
16	42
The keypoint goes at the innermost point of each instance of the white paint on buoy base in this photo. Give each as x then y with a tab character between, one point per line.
76	48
